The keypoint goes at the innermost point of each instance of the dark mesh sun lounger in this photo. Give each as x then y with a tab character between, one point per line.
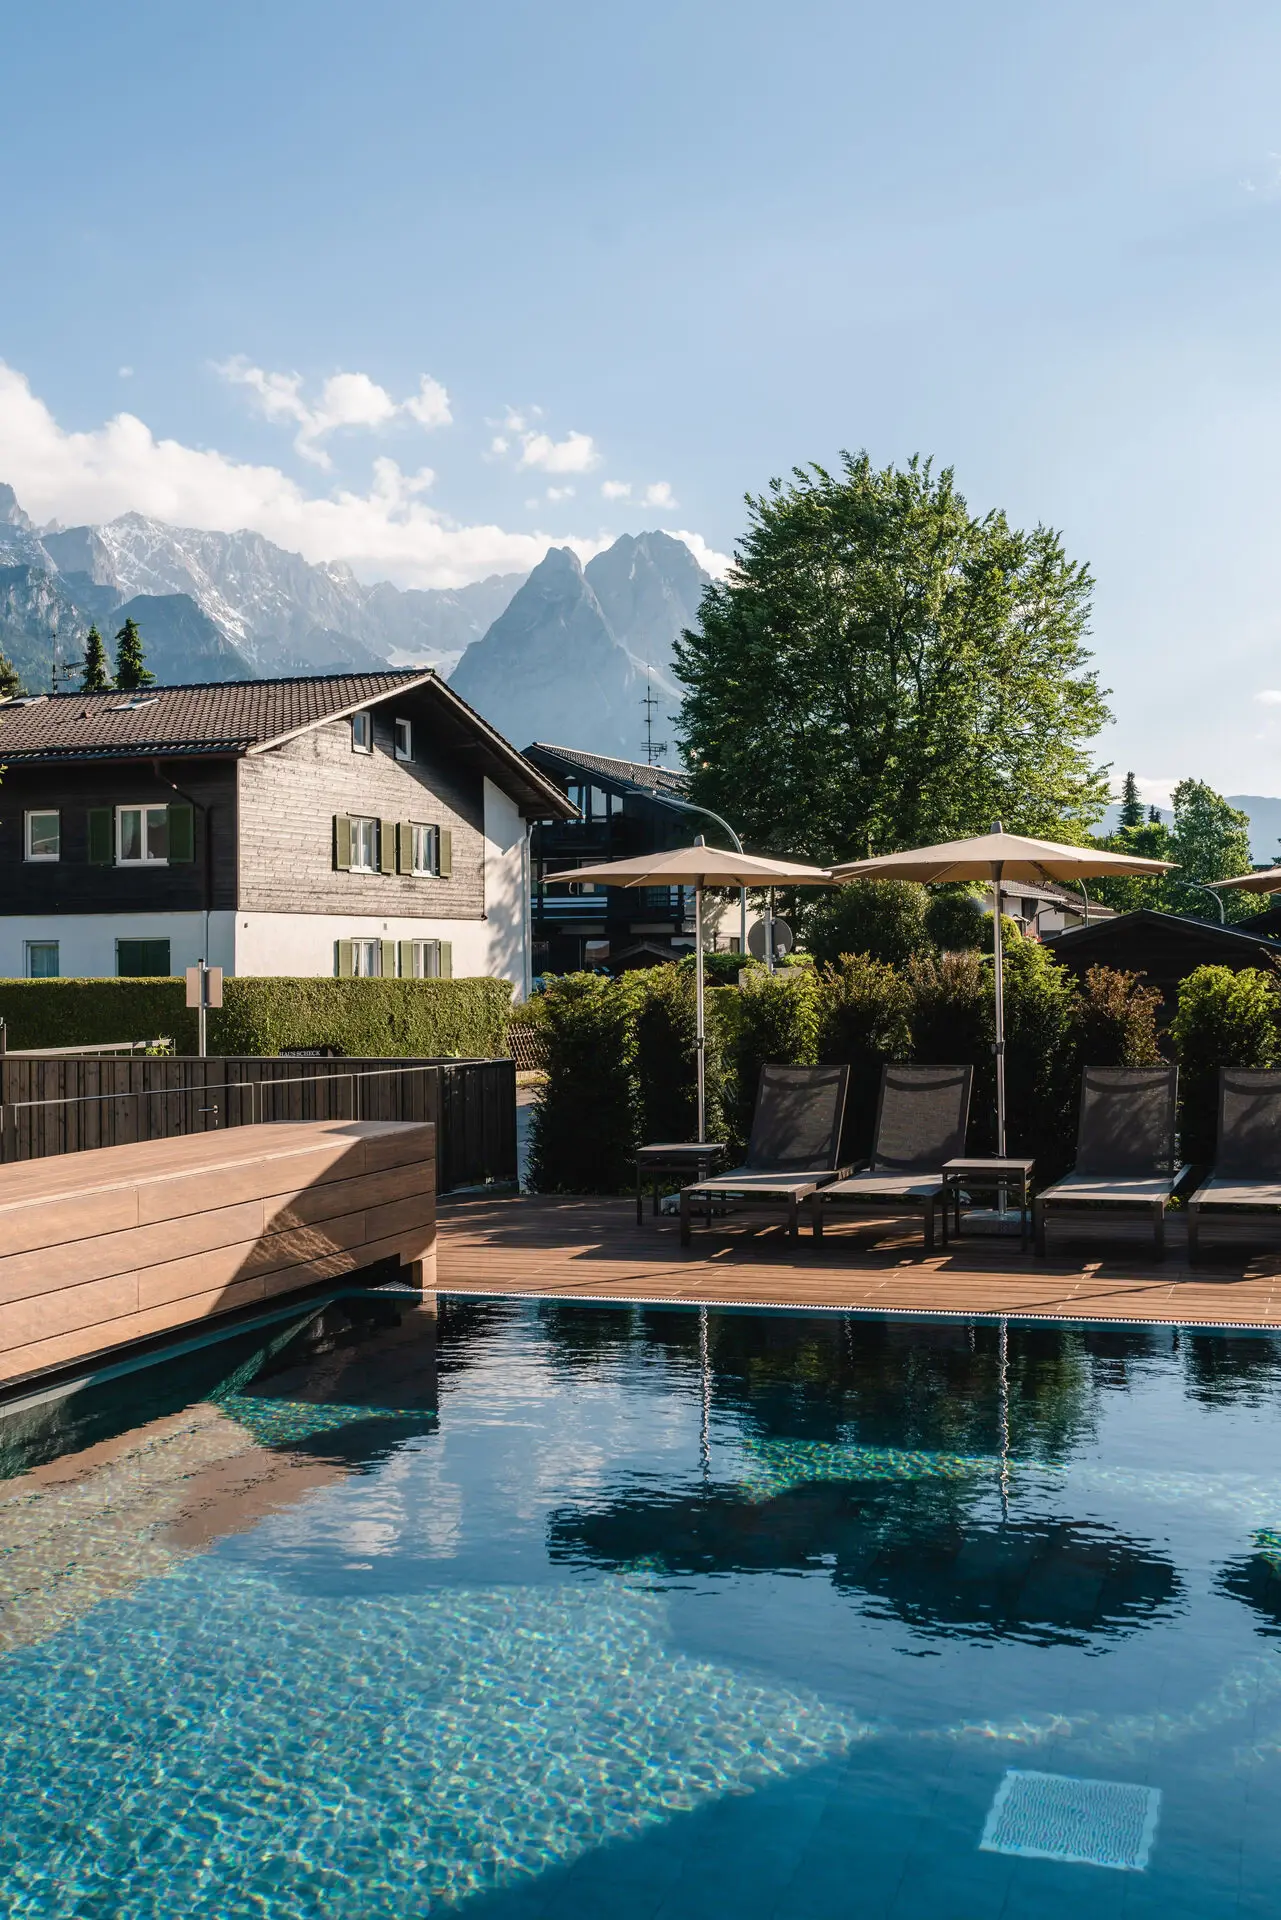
921	1120
1246	1177
1124	1147
795	1143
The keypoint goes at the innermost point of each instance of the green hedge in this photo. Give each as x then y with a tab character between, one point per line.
372	1019
1224	1019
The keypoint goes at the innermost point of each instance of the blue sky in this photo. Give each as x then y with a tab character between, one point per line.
674	249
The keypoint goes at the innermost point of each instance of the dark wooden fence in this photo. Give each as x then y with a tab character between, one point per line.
52	1105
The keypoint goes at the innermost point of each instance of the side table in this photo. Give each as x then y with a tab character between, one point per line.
696	1157
996	1174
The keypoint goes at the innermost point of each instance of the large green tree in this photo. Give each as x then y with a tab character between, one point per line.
883	668
1132	814
94	677
132	671
1209	840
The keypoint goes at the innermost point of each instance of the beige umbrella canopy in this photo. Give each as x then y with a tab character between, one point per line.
700	866
996	857
1266	880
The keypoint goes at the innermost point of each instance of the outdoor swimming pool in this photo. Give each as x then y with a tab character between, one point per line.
557	1610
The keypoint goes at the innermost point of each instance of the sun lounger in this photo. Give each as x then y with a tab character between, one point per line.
921	1118
1246	1177
794	1148
1124	1148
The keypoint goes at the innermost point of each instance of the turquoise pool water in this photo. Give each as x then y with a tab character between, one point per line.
542	1610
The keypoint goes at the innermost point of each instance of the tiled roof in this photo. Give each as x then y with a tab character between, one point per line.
218	717
636	773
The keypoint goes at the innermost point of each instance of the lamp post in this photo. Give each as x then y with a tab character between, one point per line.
688	806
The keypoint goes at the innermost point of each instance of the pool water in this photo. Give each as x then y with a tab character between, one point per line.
534	1610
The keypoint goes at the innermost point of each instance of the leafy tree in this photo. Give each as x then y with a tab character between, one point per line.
1208	841
884	919
1131	805
94	677
132	672
10	680
883	668
955	920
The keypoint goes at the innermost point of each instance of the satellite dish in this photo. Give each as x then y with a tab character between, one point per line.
783	938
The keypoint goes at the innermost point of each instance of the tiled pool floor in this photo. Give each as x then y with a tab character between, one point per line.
544	1610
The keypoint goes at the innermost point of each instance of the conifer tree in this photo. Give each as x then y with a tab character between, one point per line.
10	682
94	677
132	672
1131	805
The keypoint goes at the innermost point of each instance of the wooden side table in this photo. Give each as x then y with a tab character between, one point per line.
696	1157
996	1174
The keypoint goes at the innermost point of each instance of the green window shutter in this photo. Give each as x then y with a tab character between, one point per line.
345	961
404	847
387	846
406	959
389	960
182	834
342	843
446	959
101	824
446	852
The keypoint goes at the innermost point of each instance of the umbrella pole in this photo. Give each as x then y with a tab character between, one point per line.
999	972
700	1044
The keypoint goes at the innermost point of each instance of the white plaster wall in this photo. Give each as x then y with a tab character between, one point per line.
87	941
302	944
506	890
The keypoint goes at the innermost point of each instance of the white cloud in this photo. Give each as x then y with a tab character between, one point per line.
125	373
346	400
659	494
616	490
576	453
560	493
388	532
499	444
717	564
1269	697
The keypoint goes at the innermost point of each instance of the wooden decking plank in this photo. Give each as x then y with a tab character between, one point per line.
591	1249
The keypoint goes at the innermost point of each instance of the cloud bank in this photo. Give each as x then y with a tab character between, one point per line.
388	532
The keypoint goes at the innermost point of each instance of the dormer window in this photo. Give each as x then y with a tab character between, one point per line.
404	740
362	732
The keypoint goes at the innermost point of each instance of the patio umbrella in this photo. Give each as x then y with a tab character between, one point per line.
700	866
1264	880
996	857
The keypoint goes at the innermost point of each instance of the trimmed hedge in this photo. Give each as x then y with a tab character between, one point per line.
584	1126
1225	1019
372	1019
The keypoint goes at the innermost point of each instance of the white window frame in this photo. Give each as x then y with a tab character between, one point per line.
422	950
145	859
403	729
29	947
362	722
425	846
42	813
360	821
365	949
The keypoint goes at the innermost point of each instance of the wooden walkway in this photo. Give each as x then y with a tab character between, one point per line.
592	1249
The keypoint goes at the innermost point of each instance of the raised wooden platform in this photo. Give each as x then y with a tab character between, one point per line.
120	1243
592	1249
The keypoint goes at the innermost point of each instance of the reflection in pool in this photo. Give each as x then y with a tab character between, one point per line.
542	1610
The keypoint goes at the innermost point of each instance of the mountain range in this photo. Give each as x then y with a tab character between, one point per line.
566	653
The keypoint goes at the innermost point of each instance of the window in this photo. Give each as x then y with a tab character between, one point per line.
364	959
404	740
426	849
364	846
142	837
362	732
421	959
142	959
42	959
44	836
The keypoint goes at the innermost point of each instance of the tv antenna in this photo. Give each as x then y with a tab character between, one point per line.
652	747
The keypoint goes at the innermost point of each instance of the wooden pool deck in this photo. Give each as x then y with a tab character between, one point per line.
592	1249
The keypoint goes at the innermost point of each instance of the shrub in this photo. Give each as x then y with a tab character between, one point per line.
1116	1020
1224	1019
883	918
1040	1064
865	1011
954	920
720	969
666	1055
585	1117
952	1023
775	1019
373	1019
